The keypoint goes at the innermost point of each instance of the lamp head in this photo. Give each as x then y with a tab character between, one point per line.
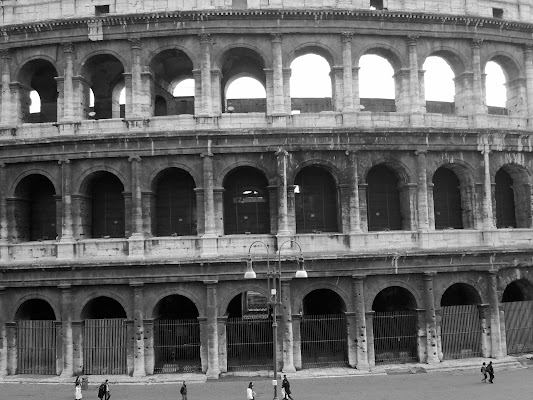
250	273
301	273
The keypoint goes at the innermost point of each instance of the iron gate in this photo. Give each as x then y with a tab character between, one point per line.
36	347
324	341
461	332
177	346
395	337
105	347
518	326
249	344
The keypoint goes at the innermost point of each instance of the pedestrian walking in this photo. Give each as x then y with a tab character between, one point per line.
183	391
107	392
490	371
250	394
286	388
77	390
101	390
484	372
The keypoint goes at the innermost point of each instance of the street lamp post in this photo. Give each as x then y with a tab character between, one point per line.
274	287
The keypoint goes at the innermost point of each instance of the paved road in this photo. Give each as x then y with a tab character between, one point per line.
465	385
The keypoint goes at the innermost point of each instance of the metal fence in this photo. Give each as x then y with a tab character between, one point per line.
324	341
177	346
249	344
461	332
105	347
36	347
395	337
518	326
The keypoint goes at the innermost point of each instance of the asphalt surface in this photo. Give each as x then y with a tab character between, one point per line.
511	384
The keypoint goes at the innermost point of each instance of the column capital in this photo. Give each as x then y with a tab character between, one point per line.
134	158
6	53
421	152
486	150
204	37
136	284
64	286
346	37
528	48
358	277
281	151
63	160
2	165
493	271
276	37
475	44
210	282
429	275
68	47
208	154
135	43
412	40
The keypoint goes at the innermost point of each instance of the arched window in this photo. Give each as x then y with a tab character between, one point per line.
383	200
107	206
39	103
316	201
505	204
439	86
496	92
308	98
447	200
376	98
184	96
245	95
160	107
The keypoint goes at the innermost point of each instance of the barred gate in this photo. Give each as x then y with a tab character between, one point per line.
518	326
36	347
105	346
249	344
461	332
324	340
395	337
177	346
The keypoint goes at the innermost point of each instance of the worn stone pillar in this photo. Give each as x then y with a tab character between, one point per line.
205	68
336	75
7	101
477	79
495	331
3	338
136	82
139	368
11	339
66	179
431	319
213	369
297	341
277	71
291	208
361	338
355	89
355	213
369	317
286	319
66	327
136	240
209	204
414	87
528	61
283	221
347	77
77	340
216	103
68	86
351	338
149	354
222	344
488	218
4	254
484	315
287	90
422	191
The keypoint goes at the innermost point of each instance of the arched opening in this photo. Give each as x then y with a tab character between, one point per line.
35	208
249	332
439	86
246	202
316	201
383	200
160	108
173	73
245	95
176	336
238	63
36	338
323	330
495	90
104	75
174	213
306	98
447	200
395	326
105	341
105	199
461	326
517	306
38	79
376	98
505	200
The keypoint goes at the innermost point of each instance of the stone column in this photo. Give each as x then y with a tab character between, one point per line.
347	77
4	255
355	89
369	318
414	88
361	339
494	303
205	68
488	220
528	61
11	339
297	340
136	83
209	203
277	71
355	212
3	337
283	221
215	90
213	369
66	179
68	86
287	90
7	102
431	319
422	191
77	339
477	79
337	99
136	240
138	322
149	355
286	319
66	318
484	314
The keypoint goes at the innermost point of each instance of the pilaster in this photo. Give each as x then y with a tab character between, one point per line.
286	318
431	319
213	369
66	318
495	331
139	368
361	339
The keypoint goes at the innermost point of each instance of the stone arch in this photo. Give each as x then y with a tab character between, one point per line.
189	294
317	48
401	170
22	64
243	287
220	178
36	296
104	52
517	171
455	59
511	67
103	293
156	172
388	52
508	276
441	289
83	178
219	58
316	162
523	285
465	172
34	171
298	296
372	293
192	56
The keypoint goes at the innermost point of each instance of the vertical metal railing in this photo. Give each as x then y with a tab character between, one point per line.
36	347
249	344
395	337
105	347
518	326
324	341
177	346
461	332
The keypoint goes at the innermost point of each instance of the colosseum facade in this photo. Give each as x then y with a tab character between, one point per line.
126	228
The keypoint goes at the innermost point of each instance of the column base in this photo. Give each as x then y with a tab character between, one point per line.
278	120
67	373
363	366
288	369
356	240
212	374
209	245
416	119
66	249
136	245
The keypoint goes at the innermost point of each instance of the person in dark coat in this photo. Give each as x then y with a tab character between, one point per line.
490	371
286	386
183	391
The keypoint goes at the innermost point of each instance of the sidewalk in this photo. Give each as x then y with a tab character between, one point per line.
505	363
